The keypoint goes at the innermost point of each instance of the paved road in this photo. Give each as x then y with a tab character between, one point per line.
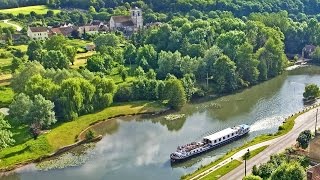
19	28
303	122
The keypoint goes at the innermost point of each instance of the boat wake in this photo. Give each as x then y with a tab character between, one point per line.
267	123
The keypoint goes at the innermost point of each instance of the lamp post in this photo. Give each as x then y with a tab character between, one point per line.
245	157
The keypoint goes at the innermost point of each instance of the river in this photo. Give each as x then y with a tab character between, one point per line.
138	148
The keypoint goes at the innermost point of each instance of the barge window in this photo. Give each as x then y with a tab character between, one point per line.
224	137
215	141
232	134
219	139
228	135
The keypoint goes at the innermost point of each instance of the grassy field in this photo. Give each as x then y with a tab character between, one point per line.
285	128
41	9
81	59
66	133
6	96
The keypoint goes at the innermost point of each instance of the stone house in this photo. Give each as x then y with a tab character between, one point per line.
38	33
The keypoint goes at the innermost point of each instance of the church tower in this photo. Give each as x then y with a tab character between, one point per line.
136	16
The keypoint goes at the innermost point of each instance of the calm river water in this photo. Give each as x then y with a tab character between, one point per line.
138	148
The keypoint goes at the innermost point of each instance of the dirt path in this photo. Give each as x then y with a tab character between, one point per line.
18	28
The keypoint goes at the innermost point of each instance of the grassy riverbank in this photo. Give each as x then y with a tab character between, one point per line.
283	129
65	133
231	166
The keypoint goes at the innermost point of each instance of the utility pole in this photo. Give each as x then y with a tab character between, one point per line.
315	127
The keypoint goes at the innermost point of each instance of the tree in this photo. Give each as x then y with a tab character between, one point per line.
130	54
55	59
21	77
151	74
75	98
289	171
96	63
109	39
40	85
247	64
304	139
5	134
316	55
71	53
41	112
17	63
225	75
56	42
32	49
251	177
311	91
147	57
175	93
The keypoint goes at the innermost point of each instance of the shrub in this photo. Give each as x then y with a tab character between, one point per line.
90	135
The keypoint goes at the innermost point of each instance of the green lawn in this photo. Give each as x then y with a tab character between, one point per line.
257	151
41	9
6	96
222	170
66	133
23	48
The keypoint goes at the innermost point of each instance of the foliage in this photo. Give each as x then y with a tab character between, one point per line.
311	91
5	133
36	112
175	93
251	177
289	171
90	135
304	139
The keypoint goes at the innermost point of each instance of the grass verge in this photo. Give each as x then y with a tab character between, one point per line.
231	166
222	170
66	133
283	129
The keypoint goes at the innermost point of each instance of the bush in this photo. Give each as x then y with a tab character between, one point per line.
90	135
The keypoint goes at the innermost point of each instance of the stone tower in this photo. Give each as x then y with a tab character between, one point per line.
136	16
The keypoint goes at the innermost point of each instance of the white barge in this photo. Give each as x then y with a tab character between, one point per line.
209	142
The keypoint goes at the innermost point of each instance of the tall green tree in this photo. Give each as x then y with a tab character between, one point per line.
247	64
225	75
55	59
32	50
175	93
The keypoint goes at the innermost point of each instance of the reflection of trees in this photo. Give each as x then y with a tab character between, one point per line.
310	70
13	176
107	127
173	125
242	102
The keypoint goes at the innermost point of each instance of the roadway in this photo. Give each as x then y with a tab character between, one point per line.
303	122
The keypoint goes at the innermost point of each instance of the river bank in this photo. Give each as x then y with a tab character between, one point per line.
59	138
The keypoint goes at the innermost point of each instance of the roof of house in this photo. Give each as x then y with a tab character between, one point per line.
38	29
124	20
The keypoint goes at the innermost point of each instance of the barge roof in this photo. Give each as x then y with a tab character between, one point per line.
220	134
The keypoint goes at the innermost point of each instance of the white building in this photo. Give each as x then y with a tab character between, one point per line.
129	23
89	29
38	33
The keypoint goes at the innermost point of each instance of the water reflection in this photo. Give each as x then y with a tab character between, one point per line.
139	147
